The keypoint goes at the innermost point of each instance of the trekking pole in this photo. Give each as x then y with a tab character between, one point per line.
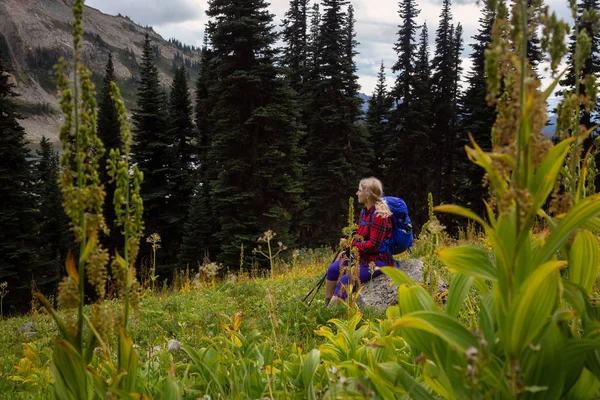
316	288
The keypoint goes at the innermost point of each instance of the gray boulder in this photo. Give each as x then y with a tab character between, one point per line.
382	293
28	329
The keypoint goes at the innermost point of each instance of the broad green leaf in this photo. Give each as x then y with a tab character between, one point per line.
497	243
128	361
545	176
463	212
413	388
578	350
578	298
398	277
206	363
486	318
491	214
459	288
581	213
311	363
93	340
393	312
437	380
531	309
482	286
592	361
440	324
61	326
469	260
384	389
414	298
584	260
586	387
543	362
168	391
525	251
71	380
593	224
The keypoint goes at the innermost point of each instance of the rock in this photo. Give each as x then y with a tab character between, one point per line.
382	293
28	329
174	345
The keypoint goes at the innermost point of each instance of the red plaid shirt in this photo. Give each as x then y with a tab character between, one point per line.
373	235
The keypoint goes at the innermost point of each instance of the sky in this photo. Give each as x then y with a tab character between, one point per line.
376	25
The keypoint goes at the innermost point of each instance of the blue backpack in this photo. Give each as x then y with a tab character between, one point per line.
402	236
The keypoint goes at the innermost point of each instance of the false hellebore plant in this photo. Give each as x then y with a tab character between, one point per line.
77	373
538	333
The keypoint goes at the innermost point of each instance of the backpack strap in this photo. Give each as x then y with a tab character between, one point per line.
362	220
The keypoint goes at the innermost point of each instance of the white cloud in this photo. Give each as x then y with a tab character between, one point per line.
153	12
376	27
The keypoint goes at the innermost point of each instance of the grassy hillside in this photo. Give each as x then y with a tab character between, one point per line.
191	312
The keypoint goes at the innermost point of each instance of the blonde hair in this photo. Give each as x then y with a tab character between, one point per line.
373	189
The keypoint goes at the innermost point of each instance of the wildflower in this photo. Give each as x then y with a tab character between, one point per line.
471	353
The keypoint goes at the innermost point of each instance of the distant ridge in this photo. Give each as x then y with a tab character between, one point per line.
35	33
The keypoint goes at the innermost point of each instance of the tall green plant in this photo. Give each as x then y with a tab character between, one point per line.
83	194
537	333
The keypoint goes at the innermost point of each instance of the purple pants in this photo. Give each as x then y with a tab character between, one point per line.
333	273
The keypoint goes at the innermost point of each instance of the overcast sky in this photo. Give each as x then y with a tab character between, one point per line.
376	26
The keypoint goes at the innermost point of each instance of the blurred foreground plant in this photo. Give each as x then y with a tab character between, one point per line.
537	334
72	364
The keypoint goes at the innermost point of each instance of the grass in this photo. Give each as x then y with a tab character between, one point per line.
192	317
199	315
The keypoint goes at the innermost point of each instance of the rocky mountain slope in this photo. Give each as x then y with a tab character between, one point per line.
35	33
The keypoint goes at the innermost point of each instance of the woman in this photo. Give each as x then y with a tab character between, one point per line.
375	226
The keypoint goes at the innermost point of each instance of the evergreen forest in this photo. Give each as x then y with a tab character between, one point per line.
165	250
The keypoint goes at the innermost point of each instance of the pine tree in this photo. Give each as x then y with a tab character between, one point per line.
109	133
151	144
54	236
534	45
477	118
397	158
591	66
313	48
361	145
295	37
18	230
378	115
453	147
181	159
443	84
254	143
334	143
406	49
199	236
417	156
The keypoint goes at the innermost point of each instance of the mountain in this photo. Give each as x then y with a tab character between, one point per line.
365	98
34	34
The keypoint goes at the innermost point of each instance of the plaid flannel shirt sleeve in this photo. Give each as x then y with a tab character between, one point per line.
377	234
